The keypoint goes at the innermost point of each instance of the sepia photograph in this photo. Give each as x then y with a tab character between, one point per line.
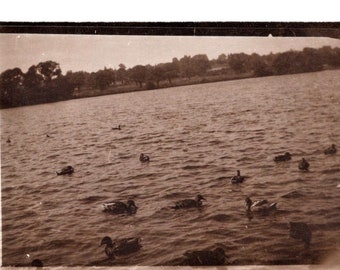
170	144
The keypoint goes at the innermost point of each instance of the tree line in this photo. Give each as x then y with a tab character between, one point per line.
45	82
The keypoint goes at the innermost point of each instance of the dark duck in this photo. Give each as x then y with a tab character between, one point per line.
116	128
120	247
205	257
237	178
37	263
287	156
117	207
66	170
190	203
330	150
144	158
300	231
303	165
261	206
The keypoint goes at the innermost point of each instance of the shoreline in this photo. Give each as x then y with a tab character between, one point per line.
123	89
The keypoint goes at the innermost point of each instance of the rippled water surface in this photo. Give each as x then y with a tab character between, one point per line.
197	137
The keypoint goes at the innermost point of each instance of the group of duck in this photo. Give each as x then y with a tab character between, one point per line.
118	247
298	230
124	246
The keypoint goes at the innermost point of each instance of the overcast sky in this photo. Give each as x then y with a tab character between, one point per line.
91	53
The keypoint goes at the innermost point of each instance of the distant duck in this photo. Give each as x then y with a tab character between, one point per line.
120	247
48	136
116	128
303	165
330	150
262	206
190	203
287	156
237	178
66	170
117	207
144	158
37	263
301	231
205	257
8	140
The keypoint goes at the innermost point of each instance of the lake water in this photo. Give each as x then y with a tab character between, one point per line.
197	137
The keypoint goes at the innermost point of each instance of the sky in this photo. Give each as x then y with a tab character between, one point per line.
93	52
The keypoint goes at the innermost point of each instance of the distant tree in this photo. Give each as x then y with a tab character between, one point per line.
222	59
200	64
49	70
186	68
121	74
239	62
76	79
32	79
104	78
157	73
11	87
139	74
312	60
259	66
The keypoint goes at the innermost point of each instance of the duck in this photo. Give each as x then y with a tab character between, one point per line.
119	247
237	178
300	231
66	170
330	150
190	203
37	263
287	156
262	206
144	158
117	207
8	140
116	128
205	257
303	165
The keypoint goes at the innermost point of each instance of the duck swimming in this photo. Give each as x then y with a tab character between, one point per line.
205	257
262	206
330	150
120	247
37	263
66	170
301	231
287	156
117	207
237	178
190	203
116	128
303	165
144	158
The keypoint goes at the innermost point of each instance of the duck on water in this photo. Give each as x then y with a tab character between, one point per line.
287	156
330	150
120	247
144	158
190	203
205	257
303	165
237	178
300	231
116	128
65	170
118	207
261	206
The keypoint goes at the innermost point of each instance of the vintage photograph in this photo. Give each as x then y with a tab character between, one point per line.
169	149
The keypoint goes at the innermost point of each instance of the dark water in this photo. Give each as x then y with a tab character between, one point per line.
197	137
